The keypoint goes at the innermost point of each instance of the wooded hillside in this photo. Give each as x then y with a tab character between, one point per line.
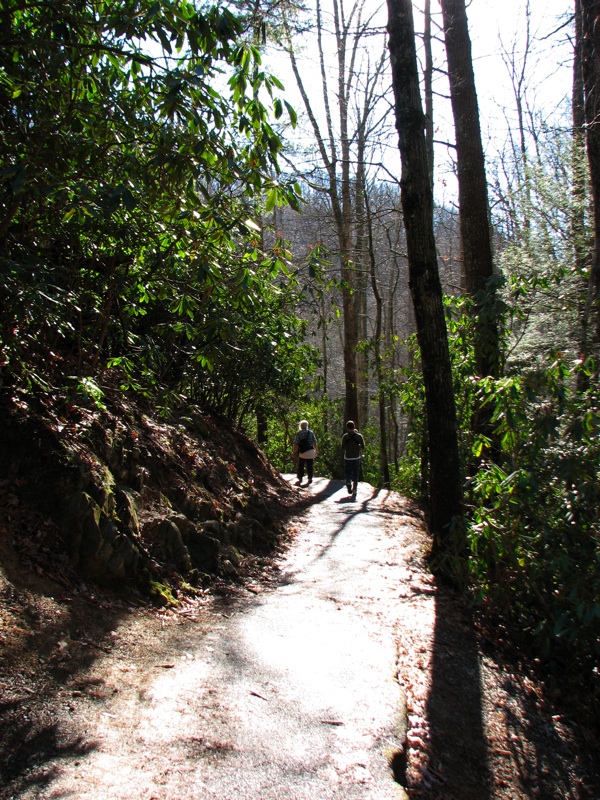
163	279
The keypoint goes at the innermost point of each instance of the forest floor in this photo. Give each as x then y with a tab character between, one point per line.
81	715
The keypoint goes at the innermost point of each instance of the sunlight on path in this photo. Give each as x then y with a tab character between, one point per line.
292	697
310	671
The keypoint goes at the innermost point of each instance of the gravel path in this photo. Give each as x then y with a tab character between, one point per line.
288	694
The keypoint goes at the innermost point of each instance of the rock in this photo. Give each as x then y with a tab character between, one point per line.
81	529
124	560
168	544
232	555
213	527
184	524
128	502
94	543
228	568
205	551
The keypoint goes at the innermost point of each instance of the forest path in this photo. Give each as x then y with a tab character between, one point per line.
289	686
289	693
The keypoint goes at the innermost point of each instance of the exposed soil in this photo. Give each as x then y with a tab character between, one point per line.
480	725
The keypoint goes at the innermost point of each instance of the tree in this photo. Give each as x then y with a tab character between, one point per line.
478	259
335	138
129	184
588	13
417	207
428	87
577	161
378	356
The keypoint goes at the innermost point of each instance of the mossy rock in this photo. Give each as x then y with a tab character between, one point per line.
162	595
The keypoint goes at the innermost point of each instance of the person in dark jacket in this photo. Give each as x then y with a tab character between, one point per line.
353	444
305	450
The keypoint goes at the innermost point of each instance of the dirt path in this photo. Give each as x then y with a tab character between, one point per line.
293	688
287	694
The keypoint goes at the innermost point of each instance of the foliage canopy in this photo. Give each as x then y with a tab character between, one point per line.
138	147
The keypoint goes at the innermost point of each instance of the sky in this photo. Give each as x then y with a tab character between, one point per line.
498	31
495	26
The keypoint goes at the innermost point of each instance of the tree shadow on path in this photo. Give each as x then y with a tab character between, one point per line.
457	767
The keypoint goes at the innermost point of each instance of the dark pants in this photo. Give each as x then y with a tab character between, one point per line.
309	463
351	471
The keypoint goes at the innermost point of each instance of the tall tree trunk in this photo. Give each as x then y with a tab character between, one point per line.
364	130
417	207
378	338
472	186
428	86
324	345
390	337
362	274
578	117
335	155
590	43
344	218
580	252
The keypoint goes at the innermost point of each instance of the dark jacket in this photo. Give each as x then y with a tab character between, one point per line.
352	444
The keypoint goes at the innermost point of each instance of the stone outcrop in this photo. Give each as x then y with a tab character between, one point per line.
136	499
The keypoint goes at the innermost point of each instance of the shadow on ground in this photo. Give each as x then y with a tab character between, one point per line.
458	762
473	700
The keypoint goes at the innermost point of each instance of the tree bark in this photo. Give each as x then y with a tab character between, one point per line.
337	166
417	207
590	29
580	251
428	86
362	272
377	339
472	186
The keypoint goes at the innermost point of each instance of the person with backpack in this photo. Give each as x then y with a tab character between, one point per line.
305	450
353	444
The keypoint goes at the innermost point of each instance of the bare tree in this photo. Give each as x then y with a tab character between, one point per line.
417	206
335	138
516	60
580	252
428	86
365	132
378	341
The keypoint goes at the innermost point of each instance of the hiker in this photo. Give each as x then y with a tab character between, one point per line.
352	444
305	450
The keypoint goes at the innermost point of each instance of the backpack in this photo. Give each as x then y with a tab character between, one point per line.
304	444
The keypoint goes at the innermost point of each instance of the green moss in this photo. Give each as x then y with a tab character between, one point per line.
195	582
163	595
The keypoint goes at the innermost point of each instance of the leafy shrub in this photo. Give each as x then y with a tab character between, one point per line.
535	534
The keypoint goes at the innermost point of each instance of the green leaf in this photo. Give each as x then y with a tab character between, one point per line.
292	114
271	200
